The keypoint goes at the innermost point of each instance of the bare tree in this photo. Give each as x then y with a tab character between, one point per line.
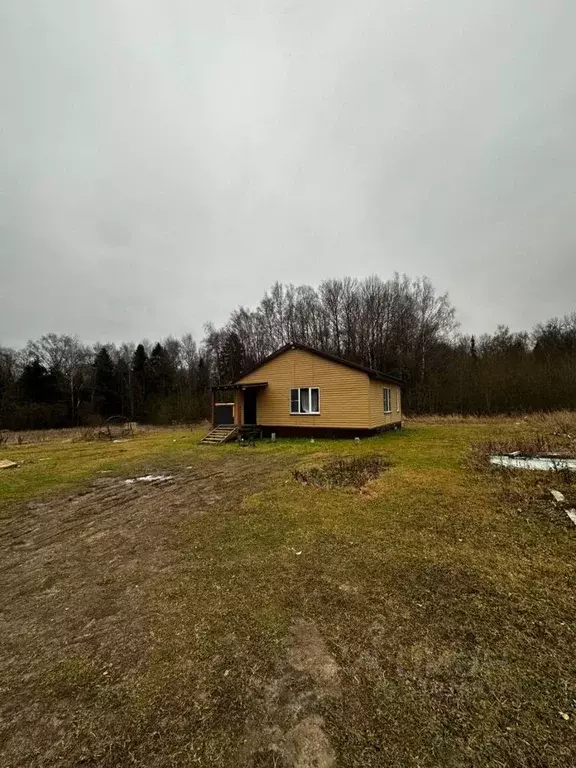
64	356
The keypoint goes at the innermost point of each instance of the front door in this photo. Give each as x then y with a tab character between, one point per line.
250	399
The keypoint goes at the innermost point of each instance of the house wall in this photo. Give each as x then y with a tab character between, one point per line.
344	392
377	416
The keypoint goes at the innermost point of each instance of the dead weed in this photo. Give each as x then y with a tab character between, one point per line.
343	472
528	490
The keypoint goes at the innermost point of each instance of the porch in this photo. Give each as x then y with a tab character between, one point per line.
236	404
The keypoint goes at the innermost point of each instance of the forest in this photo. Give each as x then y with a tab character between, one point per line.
400	326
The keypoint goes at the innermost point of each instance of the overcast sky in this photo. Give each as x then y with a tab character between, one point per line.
163	162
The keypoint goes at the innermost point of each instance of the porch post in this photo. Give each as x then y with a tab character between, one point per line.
237	415
213	393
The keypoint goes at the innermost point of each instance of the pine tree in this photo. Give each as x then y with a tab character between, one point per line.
160	372
139	365
106	400
37	385
203	379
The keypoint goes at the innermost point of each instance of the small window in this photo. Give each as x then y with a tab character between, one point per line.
387	400
305	400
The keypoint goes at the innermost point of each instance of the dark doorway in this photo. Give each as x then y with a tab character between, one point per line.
224	413
250	416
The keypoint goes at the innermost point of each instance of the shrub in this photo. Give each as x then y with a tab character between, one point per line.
348	472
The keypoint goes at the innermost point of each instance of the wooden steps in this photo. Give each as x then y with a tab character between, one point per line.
221	434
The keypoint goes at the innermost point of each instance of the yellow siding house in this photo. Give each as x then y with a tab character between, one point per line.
299	390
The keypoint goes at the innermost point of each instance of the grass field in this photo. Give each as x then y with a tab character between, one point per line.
231	616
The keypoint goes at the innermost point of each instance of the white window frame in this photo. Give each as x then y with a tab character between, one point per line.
300	412
389	399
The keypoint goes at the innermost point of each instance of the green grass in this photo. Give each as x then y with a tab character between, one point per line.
57	465
162	633
65	464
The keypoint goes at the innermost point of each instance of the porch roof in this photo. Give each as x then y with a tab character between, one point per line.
226	387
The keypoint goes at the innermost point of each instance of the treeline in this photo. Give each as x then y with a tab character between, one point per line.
57	381
399	326
403	327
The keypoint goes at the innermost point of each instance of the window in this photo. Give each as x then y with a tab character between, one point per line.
387	400
305	400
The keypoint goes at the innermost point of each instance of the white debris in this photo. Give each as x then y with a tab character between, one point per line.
149	479
534	462
572	515
7	464
559	497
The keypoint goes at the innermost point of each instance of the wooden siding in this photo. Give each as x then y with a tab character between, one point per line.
377	416
344	392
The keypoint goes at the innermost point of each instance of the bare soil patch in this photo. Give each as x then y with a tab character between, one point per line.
295	733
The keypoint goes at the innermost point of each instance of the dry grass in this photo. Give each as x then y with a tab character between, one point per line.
345	472
452	418
232	617
78	434
528	491
31	436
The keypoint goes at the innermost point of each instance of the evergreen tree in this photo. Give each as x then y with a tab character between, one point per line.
139	366
37	385
106	399
160	372
203	378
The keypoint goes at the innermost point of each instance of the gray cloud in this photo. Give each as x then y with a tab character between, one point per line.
162	163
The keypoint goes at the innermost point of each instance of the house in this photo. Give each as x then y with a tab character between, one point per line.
299	390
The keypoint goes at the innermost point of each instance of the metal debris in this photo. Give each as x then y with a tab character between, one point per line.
559	497
554	463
